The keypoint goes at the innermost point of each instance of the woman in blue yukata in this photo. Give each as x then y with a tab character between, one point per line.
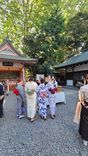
52	87
42	94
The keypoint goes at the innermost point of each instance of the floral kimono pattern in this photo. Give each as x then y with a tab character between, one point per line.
42	94
51	100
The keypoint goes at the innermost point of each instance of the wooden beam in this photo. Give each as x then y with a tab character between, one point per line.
10	68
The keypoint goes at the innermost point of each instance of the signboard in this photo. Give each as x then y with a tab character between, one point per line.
39	76
69	82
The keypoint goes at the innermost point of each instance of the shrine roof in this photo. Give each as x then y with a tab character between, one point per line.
17	58
76	59
9	53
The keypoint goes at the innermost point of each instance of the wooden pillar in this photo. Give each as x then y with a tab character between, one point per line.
66	76
73	74
7	92
24	73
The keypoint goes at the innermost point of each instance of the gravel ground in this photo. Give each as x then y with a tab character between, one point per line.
58	137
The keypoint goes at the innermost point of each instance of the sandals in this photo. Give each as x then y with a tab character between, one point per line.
52	116
43	117
32	120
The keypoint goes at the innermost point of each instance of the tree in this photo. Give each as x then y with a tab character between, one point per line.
70	8
77	33
20	18
45	44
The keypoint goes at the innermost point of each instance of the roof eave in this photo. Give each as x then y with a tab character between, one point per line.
64	66
32	61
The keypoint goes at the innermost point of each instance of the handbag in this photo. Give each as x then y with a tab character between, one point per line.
16	91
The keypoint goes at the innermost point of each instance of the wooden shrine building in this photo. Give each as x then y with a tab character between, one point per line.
73	69
12	63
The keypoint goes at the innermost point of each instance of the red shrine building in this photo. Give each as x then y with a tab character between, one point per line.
13	64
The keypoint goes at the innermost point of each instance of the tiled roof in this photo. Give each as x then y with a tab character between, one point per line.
6	45
16	58
80	58
9	53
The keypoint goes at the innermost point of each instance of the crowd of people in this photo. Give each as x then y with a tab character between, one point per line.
38	96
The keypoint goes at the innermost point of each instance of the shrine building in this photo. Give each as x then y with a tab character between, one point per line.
73	69
12	63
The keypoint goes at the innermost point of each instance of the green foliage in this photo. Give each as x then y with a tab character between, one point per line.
41	24
44	44
77	33
70	8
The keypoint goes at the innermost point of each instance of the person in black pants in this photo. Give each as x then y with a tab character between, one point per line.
83	125
1	100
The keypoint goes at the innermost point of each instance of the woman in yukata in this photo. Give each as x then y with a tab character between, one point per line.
82	112
30	89
52	87
83	124
42	94
78	105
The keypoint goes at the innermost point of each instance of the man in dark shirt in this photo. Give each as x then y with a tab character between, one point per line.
1	100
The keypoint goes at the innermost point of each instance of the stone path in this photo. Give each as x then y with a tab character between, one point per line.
58	137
